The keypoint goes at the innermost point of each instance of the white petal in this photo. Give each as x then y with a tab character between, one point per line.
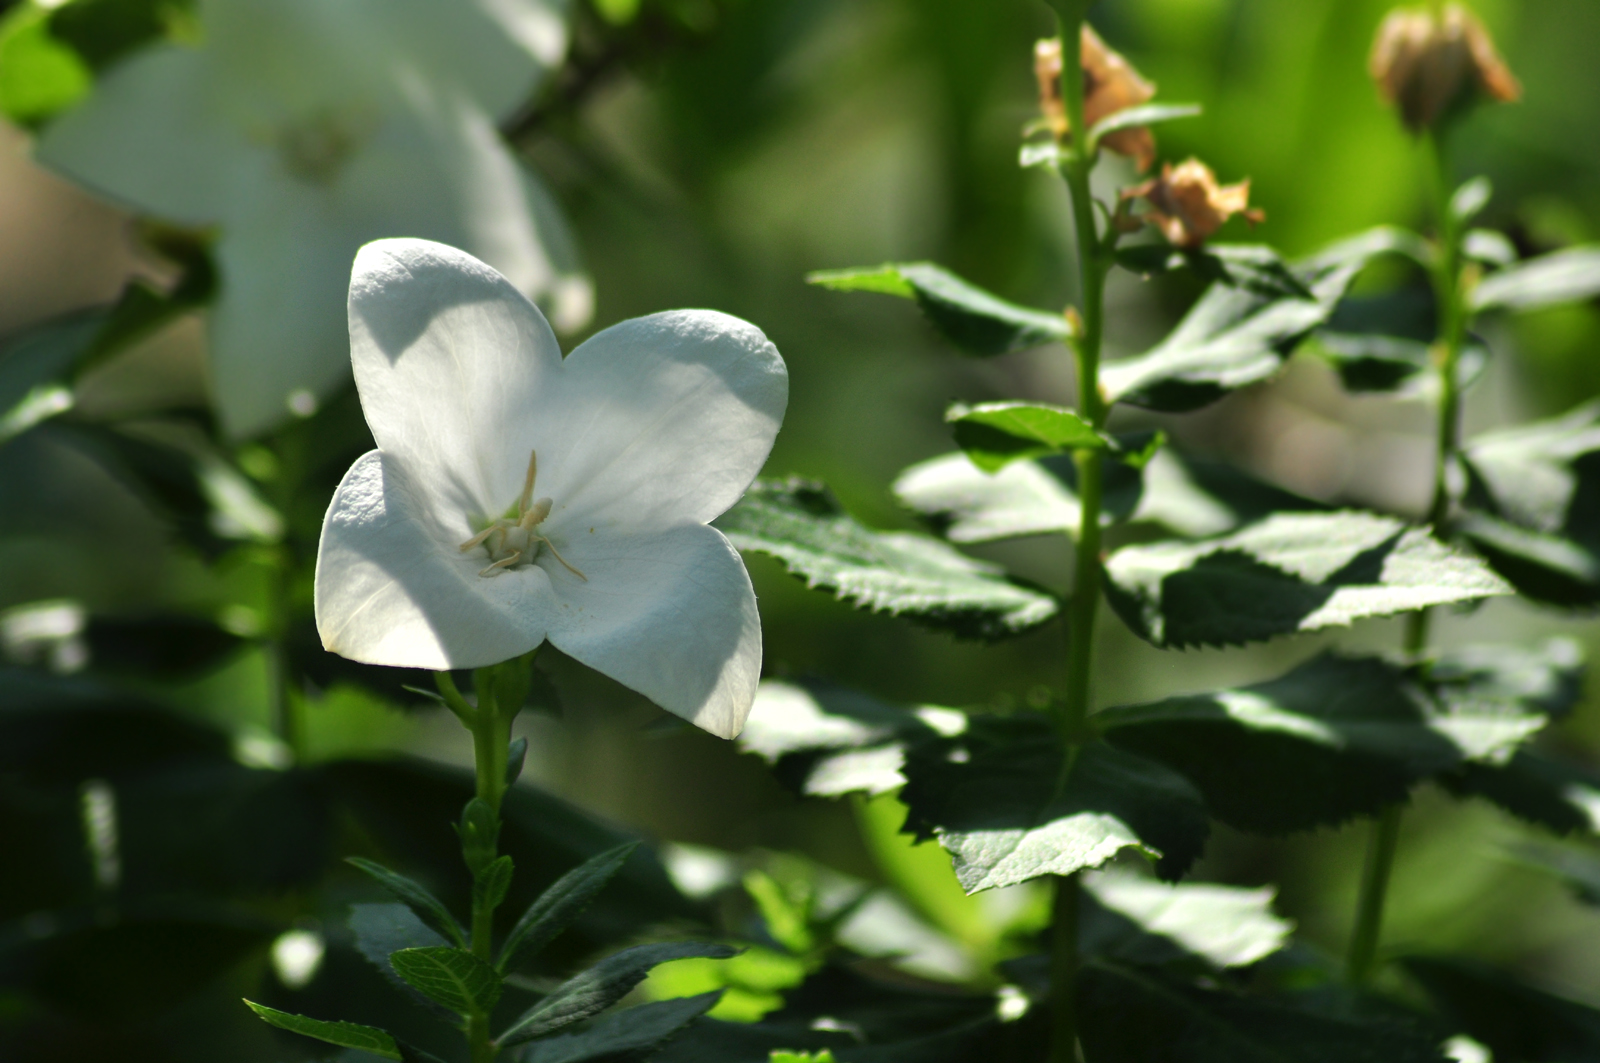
433	168
151	138
663	420
668	613
392	589
448	357
498	50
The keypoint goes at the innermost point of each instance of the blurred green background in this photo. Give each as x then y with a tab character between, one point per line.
710	153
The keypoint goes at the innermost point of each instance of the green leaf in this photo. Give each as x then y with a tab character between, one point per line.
1568	276
593	991
1515	1020
905	574
1468	201
490	887
1576	866
515	758
428	907
479	831
451	976
1234	337
827	741
1375	362
344	1034
1333	739
977	322
382	929
1144	115
1132	1016
1563	797
993	799
1254	267
1294	572
39	75
635	1030
1226	926
994	434
1489	247
561	904
1188	497
1532	505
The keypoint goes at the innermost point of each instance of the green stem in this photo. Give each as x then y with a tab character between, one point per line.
1086	577
1452	330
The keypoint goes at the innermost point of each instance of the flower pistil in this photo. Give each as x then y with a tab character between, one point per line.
513	541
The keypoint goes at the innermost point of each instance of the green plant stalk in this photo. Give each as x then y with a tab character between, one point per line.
491	742
1086	581
1452	331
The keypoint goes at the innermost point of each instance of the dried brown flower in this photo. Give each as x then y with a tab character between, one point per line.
1110	84
1188	206
1428	64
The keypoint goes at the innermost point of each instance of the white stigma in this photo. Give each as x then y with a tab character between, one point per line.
513	541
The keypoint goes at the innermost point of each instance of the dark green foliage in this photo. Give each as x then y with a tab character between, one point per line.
1532	506
994	799
1255	268
1533	787
977	322
449	976
1140	1016
915	576
1515	1020
427	907
1289	573
592	991
561	904
624	1034
343	1034
994	434
1236	336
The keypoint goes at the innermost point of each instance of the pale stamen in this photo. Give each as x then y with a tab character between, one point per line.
530	514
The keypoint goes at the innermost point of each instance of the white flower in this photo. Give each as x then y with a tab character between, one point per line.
441	549
304	129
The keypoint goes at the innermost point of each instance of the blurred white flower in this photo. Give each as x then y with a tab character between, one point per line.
516	497
304	129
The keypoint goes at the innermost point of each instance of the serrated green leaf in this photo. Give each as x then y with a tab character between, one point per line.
451	976
344	1034
1333	739
1532	505
1144	115
428	907
1515	1020
593	991
975	321
1234	337
637	1029
39	75
1133	1016
563	902
1290	573
1253	267
994	434
490	887
905	574
1568	276
1227	926
381	929
992	797
1550	793
1188	497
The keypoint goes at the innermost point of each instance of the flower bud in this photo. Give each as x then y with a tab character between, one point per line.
1110	84
1429	64
1188	206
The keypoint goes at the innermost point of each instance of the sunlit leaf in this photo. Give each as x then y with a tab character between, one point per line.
39	75
1227	926
1568	276
995	434
916	576
1254	267
1290	573
634	1030
1143	115
974	320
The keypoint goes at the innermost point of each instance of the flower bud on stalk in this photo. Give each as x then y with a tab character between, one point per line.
1110	84
1187	205
1431	64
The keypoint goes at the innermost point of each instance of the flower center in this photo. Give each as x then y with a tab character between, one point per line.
315	147
514	540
